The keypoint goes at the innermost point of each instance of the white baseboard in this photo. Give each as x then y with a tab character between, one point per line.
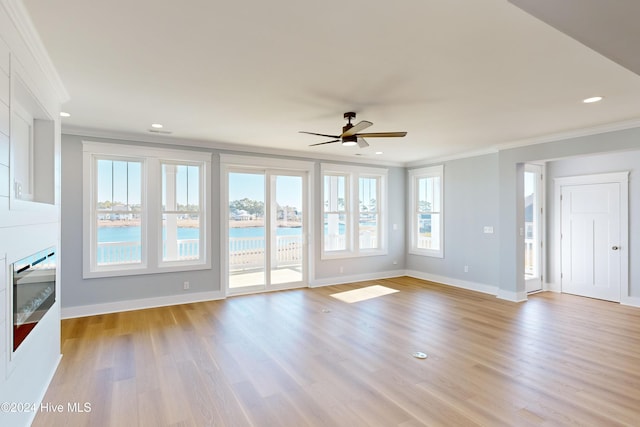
464	284
631	301
511	295
138	304
118	306
331	281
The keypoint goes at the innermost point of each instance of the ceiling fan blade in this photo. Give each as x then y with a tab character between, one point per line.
362	143
356	128
320	134
322	143
383	134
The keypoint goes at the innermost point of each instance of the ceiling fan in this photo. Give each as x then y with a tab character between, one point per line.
351	133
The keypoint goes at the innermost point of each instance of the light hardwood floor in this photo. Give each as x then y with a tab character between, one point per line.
301	357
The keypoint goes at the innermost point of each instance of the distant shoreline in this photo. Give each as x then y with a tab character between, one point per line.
192	223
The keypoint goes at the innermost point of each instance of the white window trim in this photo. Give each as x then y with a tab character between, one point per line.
151	187
414	175
354	173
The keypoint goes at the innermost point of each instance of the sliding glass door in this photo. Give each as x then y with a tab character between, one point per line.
266	230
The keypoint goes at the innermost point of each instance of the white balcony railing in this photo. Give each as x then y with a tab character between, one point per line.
131	252
337	242
249	252
119	253
529	257
244	252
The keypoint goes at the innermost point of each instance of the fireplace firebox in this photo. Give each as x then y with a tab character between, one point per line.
34	292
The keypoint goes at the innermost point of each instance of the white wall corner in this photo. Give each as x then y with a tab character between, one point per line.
139	304
512	296
464	284
553	287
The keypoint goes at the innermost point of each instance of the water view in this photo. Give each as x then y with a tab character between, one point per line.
132	233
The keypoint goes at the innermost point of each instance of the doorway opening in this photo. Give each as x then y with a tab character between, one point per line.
533	226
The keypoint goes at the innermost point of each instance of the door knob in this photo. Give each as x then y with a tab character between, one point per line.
615	248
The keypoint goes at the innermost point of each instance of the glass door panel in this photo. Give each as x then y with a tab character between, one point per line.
247	231
287	230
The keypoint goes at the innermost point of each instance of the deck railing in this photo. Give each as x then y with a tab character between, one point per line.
244	252
119	253
249	252
131	252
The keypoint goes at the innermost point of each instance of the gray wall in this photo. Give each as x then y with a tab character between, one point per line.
470	204
77	291
595	164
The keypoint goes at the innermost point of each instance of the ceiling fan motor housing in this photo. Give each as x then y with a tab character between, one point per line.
349	140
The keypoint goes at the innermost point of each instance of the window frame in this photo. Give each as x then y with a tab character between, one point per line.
346	212
352	175
201	215
414	176
377	213
151	213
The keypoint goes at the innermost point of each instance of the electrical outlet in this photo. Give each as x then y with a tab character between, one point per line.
186	285
341	269
466	268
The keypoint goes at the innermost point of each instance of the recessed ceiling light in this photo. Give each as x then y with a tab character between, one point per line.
64	114
157	126
379	152
592	99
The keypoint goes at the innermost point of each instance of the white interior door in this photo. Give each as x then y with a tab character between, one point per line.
591	240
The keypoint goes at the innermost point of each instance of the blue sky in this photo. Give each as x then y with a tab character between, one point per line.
119	181
252	186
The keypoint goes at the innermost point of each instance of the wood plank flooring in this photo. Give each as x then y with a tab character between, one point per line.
301	357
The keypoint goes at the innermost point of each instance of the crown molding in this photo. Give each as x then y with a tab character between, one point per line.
543	139
570	134
458	156
219	146
19	15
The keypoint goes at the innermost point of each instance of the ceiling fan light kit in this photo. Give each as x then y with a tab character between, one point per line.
350	135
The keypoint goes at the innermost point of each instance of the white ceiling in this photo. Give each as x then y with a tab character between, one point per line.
460	76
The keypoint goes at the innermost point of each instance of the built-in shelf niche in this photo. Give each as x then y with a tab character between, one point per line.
32	148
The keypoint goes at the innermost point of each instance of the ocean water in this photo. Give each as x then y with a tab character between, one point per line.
132	234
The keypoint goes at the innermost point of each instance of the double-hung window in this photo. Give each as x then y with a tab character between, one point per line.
337	219
354	205
117	212
146	210
426	211
182	225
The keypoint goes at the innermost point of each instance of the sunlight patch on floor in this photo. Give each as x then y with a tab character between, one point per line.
364	294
